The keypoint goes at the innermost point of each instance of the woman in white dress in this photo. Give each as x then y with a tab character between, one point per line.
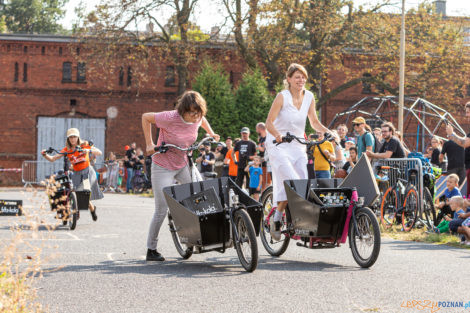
288	113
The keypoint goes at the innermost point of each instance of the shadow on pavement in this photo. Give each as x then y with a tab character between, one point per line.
411	245
210	267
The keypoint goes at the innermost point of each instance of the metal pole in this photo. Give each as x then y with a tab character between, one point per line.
401	93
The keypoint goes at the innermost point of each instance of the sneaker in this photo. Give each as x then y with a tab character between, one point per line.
153	255
275	229
93	214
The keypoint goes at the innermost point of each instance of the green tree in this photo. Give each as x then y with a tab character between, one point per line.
3	25
252	99
34	16
213	84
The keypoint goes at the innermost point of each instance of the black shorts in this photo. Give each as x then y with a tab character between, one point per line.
253	191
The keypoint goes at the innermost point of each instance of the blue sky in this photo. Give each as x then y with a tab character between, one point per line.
208	15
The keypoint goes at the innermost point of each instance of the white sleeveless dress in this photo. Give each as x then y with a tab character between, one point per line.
288	160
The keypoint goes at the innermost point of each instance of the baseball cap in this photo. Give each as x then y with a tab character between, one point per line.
73	132
359	120
245	130
206	143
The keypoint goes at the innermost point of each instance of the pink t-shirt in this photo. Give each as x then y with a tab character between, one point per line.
174	130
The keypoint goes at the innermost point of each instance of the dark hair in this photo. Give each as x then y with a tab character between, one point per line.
353	148
390	126
191	100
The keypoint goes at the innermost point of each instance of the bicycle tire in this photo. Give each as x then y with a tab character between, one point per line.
274	248
72	211
246	240
185	253
388	208
410	209
428	212
368	233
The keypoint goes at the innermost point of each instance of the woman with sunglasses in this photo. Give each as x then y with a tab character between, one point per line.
288	114
178	127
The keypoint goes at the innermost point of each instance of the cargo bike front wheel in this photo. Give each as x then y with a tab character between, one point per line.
364	237
184	252
245	240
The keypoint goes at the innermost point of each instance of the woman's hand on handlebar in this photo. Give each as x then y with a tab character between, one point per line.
279	138
150	149
216	137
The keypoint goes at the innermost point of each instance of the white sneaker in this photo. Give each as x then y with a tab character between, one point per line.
275	229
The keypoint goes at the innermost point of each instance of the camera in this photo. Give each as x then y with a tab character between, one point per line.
202	149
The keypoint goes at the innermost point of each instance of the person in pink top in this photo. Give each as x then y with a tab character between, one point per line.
178	127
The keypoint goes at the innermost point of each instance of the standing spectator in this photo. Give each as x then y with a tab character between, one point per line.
339	152
231	160
129	161
206	159
261	130
256	177
400	138
228	146
434	151
365	141
391	147
455	159
323	155
377	132
342	130
220	152
310	160
247	151
113	172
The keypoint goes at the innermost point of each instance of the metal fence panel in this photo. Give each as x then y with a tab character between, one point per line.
404	165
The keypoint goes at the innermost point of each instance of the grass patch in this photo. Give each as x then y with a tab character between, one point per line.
419	235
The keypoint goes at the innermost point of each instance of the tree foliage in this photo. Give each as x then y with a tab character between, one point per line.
213	84
252	99
33	16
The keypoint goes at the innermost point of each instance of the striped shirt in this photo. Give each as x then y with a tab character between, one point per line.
174	130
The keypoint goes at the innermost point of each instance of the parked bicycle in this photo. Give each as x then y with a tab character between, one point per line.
65	198
211	215
401	203
322	215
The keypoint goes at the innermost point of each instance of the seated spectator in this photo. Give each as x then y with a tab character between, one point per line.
451	191
465	227
256	177
352	160
457	205
391	146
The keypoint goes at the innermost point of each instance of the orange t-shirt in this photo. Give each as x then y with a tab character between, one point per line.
232	167
79	160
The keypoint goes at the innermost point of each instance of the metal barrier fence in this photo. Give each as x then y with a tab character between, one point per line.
34	172
405	165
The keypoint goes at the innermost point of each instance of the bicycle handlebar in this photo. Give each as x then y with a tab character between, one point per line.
289	138
195	146
77	149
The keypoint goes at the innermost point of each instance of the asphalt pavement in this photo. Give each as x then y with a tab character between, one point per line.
101	267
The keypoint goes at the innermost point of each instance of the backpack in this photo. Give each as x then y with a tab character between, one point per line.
376	142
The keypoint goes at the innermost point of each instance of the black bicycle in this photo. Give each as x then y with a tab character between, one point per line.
65	198
211	215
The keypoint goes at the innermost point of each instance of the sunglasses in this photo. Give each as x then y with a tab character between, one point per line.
354	124
194	113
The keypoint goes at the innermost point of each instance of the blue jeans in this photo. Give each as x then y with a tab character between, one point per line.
322	174
130	174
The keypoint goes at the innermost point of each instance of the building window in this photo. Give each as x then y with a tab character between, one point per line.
67	72
129	76
170	78
60	50
25	72
8	48
25	49
121	76
43	50
17	69
81	72
366	86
